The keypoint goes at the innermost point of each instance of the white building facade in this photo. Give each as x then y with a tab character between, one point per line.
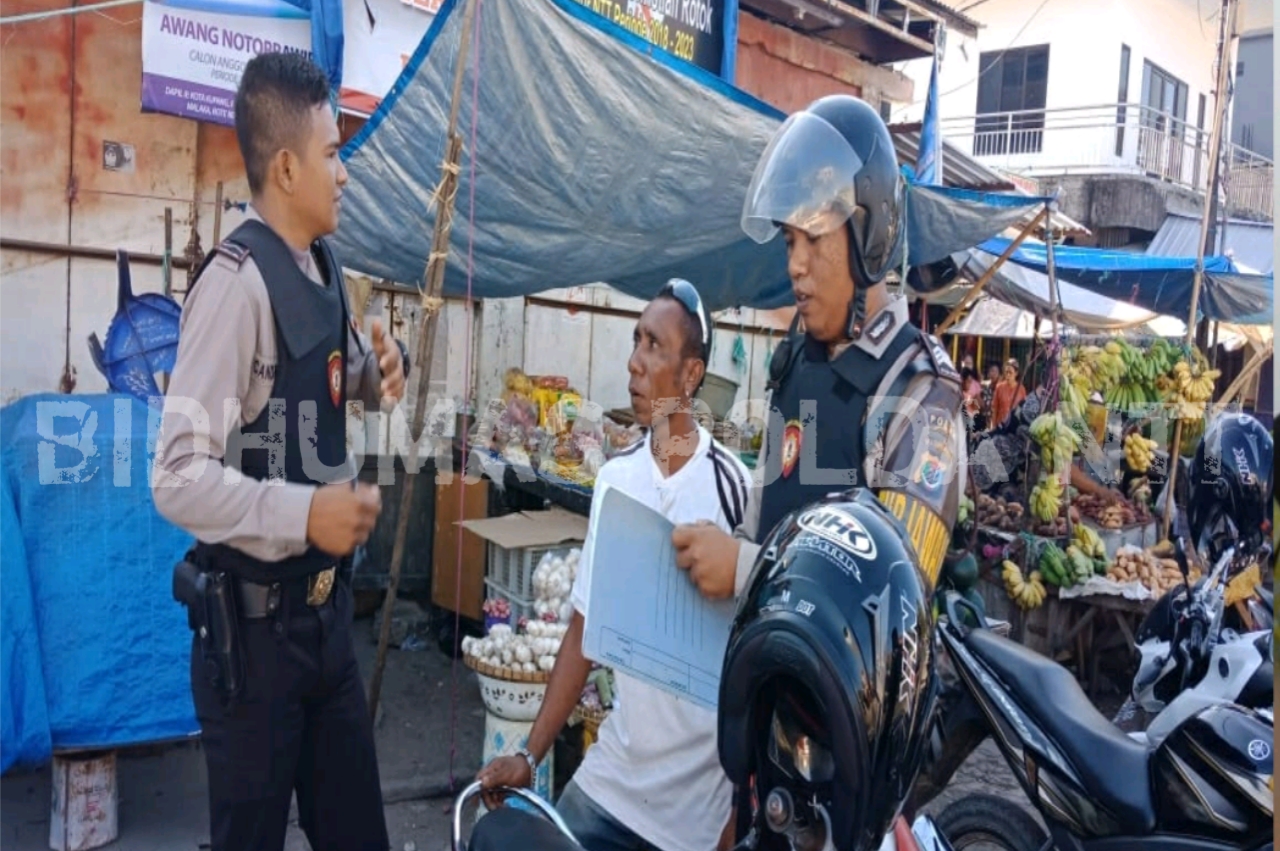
1089	93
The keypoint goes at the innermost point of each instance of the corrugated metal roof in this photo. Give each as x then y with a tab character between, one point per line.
958	168
1251	244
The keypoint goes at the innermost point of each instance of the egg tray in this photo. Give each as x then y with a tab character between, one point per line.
506	674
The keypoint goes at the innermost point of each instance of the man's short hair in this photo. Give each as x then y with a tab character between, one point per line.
277	92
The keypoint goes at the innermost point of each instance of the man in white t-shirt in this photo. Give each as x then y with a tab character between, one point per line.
653	779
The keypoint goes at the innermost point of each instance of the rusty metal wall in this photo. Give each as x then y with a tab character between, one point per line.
69	84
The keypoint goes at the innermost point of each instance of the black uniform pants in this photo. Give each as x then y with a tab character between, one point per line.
301	724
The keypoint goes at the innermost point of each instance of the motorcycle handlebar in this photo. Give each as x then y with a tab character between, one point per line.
544	809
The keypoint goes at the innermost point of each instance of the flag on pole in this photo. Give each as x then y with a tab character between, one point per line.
929	159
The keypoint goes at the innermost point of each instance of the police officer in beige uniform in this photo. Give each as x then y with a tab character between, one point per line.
253	462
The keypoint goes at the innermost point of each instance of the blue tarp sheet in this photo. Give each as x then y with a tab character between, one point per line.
1159	284
596	158
96	652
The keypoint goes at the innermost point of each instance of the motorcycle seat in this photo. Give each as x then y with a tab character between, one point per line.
508	828
1112	766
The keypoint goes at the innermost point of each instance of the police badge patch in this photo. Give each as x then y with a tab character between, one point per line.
790	447
335	377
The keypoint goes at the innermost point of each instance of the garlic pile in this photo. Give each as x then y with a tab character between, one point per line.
552	583
527	652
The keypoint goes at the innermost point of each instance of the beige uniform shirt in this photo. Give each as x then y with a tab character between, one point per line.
222	380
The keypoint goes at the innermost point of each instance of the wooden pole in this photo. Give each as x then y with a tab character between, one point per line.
1246	375
166	270
432	305
1052	269
976	290
1226	31
217	214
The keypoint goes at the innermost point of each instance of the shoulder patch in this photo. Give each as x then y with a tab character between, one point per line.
880	328
941	360
233	251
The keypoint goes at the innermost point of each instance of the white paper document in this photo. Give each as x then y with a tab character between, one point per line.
645	617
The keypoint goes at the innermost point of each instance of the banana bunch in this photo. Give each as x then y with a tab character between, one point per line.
1027	593
1079	565
1193	387
1139	491
1108	365
1128	395
1057	441
1046	497
1089	542
1072	399
1162	356
1139	452
1053	565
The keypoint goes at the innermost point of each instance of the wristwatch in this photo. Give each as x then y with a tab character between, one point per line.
532	760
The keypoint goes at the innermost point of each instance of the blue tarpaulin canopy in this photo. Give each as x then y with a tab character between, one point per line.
596	158
1159	284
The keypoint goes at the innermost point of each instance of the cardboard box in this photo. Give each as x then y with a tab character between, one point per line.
517	542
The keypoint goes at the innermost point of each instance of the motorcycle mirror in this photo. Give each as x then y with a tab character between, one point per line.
1180	555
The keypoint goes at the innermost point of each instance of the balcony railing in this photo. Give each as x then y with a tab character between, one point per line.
1113	139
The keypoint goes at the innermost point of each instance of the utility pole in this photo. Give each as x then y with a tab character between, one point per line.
1226	33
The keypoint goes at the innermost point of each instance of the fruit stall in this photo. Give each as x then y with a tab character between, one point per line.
1072	571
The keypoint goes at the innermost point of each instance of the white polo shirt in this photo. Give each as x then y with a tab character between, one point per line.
655	766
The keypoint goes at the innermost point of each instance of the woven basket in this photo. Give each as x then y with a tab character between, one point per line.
505	673
591	719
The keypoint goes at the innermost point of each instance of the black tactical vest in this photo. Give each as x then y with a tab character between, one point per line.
816	422
308	395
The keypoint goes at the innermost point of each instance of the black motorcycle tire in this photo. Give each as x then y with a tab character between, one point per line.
987	819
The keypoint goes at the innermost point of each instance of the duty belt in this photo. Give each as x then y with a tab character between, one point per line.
262	601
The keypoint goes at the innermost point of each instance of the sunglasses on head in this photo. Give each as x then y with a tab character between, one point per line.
687	294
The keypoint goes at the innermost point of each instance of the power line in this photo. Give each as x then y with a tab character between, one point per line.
990	65
70	10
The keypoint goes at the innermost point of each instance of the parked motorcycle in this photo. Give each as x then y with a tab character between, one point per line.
1205	786
1193	651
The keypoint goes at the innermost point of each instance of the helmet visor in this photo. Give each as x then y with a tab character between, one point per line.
805	179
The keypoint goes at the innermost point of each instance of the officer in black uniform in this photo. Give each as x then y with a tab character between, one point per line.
861	398
268	347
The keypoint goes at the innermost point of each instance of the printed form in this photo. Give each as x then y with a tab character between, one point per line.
644	617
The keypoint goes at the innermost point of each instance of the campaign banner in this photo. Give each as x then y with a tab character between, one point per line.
194	51
692	30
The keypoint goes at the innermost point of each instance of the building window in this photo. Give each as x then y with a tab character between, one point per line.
1012	85
1121	110
1162	132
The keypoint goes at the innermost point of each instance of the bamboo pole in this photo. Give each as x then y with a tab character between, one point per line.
1051	369
1246	375
432	305
1226	31
976	290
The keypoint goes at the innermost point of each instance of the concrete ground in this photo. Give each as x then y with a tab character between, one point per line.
162	791
162	804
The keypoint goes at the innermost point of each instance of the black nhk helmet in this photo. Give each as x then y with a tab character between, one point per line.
828	680
1231	487
829	165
